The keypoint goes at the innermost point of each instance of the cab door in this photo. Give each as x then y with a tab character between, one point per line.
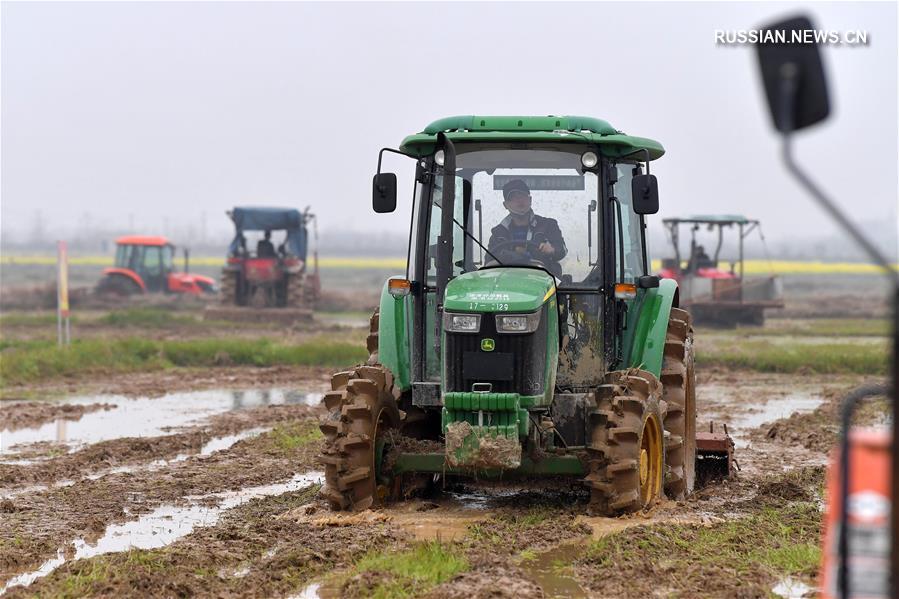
631	259
154	274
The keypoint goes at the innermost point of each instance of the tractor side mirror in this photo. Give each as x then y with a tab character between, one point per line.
645	194
793	77
383	193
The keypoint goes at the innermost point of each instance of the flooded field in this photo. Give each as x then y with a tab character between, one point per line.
204	482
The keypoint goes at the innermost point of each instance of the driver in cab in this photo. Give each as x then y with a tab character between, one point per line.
523	236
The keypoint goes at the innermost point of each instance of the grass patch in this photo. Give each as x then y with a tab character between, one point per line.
30	320
812	327
409	573
829	358
30	361
288	437
740	557
147	318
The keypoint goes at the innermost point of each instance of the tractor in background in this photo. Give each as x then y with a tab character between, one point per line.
271	278
145	264
518	347
716	296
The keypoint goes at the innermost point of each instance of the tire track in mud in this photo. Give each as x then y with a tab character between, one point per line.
135	451
35	525
278	545
256	549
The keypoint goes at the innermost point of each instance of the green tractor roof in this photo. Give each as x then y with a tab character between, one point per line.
612	143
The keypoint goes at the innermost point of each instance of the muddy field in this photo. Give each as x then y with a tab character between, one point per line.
203	482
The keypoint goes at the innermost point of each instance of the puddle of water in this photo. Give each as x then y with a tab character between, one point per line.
437	524
318	590
792	589
29	577
146	417
742	418
166	524
222	443
476	499
214	445
553	570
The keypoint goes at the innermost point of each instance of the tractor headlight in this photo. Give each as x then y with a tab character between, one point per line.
518	323
461	323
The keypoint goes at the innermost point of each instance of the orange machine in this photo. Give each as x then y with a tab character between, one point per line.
867	517
145	264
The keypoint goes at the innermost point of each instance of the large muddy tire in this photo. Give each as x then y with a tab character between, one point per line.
679	393
296	296
626	452
362	409
371	342
228	289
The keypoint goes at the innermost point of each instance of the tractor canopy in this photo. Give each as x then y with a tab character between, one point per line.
612	142
711	219
290	220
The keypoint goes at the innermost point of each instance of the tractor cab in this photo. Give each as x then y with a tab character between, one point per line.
527	335
146	264
713	282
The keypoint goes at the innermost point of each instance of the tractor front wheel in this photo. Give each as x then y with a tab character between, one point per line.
362	409
626	451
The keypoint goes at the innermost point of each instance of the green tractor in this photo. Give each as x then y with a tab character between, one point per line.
527	337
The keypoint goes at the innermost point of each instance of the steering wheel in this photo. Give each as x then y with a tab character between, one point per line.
531	250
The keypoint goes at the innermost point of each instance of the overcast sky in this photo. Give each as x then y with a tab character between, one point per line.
161	113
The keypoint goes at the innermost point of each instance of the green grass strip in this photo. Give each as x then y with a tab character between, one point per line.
765	356
23	362
410	573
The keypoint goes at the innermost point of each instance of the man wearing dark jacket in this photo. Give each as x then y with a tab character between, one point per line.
523	236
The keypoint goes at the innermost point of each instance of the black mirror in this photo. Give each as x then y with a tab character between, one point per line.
383	193
793	76
645	194
648	282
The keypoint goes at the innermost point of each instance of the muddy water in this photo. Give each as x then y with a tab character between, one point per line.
212	446
145	417
552	570
165	524
744	407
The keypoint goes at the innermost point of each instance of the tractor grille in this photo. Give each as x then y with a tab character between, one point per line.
516	365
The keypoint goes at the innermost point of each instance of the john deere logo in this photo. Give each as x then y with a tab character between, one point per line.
488	344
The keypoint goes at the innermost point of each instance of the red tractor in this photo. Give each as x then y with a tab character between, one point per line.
717	296
145	264
265	275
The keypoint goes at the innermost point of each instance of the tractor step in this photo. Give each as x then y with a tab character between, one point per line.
249	314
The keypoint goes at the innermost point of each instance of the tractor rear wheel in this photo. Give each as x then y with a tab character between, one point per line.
679	393
228	290
362	409
296	296
116	284
626	451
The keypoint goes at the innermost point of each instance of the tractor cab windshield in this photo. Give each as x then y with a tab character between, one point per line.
534	205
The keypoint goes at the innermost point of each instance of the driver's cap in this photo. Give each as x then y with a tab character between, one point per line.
515	185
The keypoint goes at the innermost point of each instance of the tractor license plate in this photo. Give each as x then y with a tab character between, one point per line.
494	366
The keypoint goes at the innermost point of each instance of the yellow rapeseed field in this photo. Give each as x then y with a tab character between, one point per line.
752	267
